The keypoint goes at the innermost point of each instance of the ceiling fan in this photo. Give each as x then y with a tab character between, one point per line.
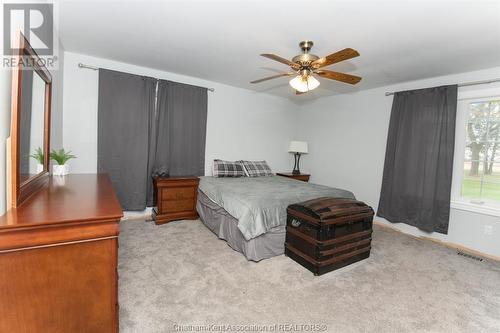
306	65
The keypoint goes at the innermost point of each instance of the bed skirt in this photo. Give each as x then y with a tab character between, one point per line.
225	226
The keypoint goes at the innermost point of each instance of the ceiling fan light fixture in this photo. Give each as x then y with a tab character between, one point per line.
298	83
305	67
312	83
304	83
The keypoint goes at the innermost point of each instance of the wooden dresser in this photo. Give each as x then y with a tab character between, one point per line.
58	258
175	199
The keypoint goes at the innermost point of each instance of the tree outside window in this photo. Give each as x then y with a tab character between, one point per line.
481	178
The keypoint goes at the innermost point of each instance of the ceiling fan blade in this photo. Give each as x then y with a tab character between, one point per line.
347	78
272	77
282	60
335	57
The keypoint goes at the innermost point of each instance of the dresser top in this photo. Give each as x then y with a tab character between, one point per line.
72	198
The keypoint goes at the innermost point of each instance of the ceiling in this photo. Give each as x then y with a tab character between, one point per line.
221	40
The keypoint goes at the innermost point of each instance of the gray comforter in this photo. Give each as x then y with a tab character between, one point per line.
259	204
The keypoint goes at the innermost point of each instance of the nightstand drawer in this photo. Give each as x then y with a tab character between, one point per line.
171	206
178	193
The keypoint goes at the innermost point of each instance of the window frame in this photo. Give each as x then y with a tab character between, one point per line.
488	207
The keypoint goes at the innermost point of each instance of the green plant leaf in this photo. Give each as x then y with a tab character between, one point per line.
38	155
61	156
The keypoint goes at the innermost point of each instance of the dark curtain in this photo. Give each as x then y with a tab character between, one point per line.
177	140
126	104
416	184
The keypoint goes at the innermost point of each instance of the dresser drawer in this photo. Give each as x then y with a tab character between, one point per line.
178	193
170	206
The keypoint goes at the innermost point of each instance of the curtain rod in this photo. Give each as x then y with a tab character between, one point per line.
462	84
97	68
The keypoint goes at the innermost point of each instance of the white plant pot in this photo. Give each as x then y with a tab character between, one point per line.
60	170
39	168
59	181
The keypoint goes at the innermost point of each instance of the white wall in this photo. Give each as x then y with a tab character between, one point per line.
347	139
241	124
56	127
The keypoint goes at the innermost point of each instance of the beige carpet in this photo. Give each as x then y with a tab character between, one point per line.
181	274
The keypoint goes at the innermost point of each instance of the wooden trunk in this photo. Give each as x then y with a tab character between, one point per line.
325	234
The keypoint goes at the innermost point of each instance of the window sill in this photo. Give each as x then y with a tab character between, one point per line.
476	208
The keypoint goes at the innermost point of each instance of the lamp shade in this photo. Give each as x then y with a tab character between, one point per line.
298	147
304	83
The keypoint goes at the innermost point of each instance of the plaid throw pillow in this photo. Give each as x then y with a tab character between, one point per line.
257	168
228	169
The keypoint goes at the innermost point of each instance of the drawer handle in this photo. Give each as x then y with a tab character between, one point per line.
296	223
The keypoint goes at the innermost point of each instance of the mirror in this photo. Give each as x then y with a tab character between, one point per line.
31	150
30	124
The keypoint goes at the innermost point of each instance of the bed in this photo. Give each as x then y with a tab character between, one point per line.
249	213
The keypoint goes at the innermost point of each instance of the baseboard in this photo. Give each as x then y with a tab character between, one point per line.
451	245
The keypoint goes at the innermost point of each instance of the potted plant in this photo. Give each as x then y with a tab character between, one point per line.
60	157
39	157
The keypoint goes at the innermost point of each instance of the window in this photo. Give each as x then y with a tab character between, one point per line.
481	179
477	152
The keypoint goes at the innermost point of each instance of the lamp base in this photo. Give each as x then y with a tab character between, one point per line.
296	169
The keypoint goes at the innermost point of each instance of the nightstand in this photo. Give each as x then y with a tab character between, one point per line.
301	176
175	199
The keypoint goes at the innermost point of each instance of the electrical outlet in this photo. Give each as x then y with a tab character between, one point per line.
488	230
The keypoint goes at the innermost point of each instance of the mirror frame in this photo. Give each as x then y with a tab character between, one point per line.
20	191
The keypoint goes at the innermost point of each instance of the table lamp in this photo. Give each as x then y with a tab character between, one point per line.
297	147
